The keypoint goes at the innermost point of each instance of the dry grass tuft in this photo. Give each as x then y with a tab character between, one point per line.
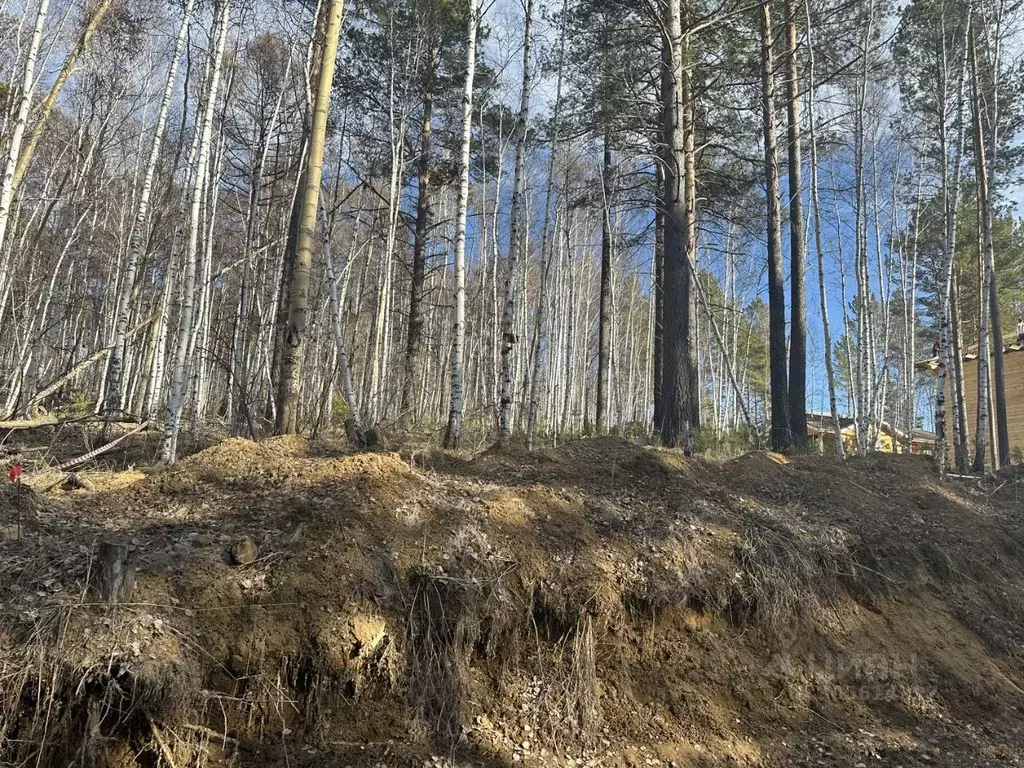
570	710
789	575
437	648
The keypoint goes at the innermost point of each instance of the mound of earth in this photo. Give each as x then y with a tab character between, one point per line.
596	604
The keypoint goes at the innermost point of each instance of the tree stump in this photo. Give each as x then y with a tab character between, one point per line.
355	434
113	573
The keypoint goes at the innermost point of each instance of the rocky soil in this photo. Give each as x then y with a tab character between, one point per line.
597	604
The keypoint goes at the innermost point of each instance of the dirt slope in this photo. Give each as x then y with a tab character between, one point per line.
596	604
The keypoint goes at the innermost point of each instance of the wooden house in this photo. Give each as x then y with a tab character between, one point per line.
821	432
821	435
1013	376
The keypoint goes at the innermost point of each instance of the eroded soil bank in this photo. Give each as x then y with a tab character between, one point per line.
597	604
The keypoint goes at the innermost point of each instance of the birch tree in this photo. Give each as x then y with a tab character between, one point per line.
289	374
17	133
186	319
453	431
139	232
516	241
95	18
820	250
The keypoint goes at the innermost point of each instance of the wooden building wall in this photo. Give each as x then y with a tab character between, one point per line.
1013	370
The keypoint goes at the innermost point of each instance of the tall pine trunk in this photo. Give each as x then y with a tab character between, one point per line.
797	244
604	330
414	361
781	430
989	293
677	353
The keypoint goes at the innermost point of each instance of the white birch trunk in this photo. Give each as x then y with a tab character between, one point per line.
28	82
179	374
453	432
516	243
139	232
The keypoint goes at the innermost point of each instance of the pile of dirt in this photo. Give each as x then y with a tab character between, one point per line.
595	604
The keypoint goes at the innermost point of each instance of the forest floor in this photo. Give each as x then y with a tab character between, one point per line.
595	604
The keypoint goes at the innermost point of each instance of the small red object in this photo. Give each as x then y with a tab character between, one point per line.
15	473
